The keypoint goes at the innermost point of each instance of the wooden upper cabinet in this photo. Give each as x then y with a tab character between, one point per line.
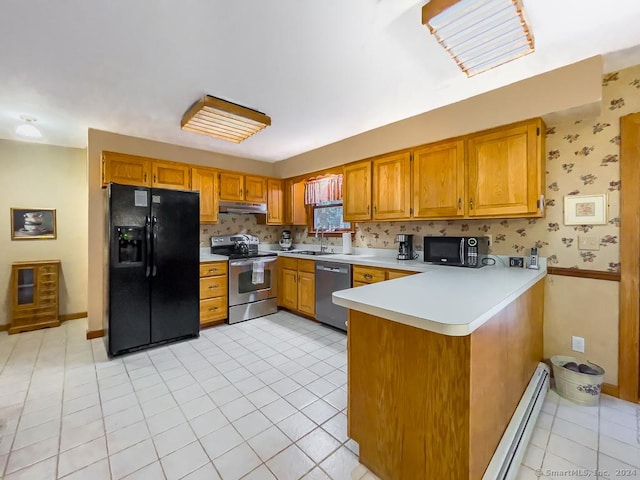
205	181
438	180
255	189
356	191
275	202
231	186
392	187
506	168
295	211
125	169
176	176
238	187
144	172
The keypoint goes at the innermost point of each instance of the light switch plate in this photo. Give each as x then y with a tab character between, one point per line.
577	344
588	242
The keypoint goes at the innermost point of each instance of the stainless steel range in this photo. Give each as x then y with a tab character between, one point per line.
253	276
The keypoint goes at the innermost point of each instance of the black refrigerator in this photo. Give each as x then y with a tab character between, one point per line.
153	257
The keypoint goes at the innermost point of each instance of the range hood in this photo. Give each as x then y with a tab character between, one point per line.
242	207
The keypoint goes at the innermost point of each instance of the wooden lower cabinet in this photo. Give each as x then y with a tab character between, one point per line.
34	295
368	275
214	300
430	406
297	285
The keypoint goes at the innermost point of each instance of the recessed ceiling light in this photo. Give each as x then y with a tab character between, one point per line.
28	129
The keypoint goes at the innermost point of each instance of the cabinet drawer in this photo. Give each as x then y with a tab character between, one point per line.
43	311
213	287
213	269
391	274
48	300
289	263
368	274
213	309
306	266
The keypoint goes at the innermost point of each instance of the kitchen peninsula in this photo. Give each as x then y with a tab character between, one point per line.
437	364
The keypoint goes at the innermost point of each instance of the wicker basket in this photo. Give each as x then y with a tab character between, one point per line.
580	388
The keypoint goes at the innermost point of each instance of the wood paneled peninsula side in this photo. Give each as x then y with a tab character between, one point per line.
437	363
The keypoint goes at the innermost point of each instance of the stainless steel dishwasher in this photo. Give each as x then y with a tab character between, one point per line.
331	277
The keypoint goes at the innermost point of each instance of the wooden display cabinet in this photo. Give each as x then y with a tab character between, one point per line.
34	295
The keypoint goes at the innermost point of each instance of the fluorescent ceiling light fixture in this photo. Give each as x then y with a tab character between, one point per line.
221	119
479	34
28	129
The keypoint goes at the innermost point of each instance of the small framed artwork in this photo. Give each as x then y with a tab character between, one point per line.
33	223
585	209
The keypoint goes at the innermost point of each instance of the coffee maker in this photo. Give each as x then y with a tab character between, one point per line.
285	240
405	246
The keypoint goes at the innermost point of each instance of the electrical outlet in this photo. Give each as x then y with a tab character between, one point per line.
577	344
588	242
490	238
516	262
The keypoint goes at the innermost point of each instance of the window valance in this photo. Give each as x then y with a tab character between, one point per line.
325	189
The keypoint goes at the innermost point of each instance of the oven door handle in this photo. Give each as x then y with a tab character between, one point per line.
243	263
462	251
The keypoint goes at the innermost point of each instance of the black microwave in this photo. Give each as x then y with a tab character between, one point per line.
456	251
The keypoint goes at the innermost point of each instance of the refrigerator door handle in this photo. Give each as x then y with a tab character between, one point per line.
147	228
154	224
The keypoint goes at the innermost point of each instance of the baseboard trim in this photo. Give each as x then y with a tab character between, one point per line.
613	390
91	334
72	316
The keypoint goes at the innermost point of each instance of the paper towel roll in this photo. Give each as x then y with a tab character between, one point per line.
346	243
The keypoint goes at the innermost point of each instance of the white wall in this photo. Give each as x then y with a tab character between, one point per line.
43	176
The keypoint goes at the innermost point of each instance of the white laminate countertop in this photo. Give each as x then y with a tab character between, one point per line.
207	256
448	300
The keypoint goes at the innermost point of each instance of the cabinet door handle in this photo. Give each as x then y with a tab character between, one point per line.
375	209
459	203
368	206
213	309
471	203
211	287
145	178
211	270
368	276
154	179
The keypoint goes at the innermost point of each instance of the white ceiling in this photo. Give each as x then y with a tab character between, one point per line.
323	70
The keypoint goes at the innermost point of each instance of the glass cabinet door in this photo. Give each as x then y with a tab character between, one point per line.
26	286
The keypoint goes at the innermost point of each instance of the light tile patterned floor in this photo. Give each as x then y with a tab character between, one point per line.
572	441
258	400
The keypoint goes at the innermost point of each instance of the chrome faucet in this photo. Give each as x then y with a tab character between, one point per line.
323	247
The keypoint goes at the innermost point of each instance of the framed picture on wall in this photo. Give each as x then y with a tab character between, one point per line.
585	209
33	223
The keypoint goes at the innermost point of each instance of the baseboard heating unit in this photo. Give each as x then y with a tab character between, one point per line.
506	460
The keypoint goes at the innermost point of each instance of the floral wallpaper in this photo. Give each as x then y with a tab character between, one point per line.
582	159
